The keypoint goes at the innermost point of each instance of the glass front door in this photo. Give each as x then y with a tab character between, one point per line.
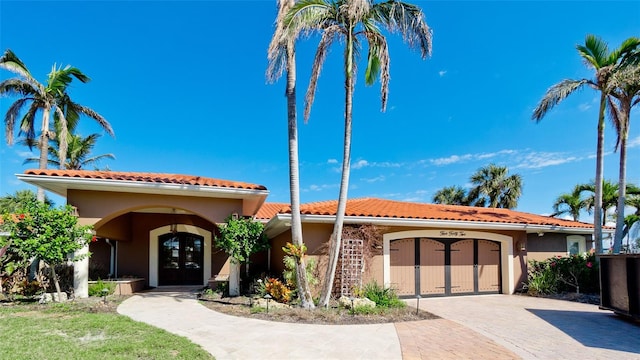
180	259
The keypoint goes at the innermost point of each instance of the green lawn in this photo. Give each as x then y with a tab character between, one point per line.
69	331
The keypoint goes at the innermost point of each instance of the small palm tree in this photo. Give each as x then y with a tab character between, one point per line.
355	22
571	204
596	55
609	197
450	195
494	188
49	98
78	153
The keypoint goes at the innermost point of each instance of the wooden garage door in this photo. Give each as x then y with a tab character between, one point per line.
488	266
403	265
431	267
462	275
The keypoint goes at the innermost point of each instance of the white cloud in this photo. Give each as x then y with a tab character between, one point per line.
332	161
315	187
442	72
633	142
537	160
375	179
360	164
584	107
451	159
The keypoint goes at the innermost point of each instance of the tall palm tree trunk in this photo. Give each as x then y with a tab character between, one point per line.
44	147
625	110
598	217
306	300
336	236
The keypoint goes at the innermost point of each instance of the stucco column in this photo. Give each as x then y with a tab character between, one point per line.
234	278
81	273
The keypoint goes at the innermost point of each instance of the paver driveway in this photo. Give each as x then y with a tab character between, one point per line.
474	327
537	328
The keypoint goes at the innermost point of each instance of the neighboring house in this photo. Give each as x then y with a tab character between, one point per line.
161	227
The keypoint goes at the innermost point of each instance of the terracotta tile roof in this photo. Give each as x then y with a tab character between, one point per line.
379	208
146	177
269	210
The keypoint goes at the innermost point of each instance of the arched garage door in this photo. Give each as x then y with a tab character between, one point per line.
441	267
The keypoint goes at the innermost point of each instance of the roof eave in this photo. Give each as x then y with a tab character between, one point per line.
280	219
61	185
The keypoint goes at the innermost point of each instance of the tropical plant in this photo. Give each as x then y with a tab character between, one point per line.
50	235
281	56
493	188
78	152
12	203
291	276
571	204
596	55
49	98
451	195
625	94
355	22
277	290
383	297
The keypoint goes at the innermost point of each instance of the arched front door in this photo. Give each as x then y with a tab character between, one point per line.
180	259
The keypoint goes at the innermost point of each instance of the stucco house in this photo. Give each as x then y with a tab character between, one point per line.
161	227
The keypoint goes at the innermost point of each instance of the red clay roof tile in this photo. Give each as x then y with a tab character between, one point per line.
146	177
269	210
380	208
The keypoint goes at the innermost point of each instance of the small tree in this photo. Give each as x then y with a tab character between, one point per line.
49	234
240	238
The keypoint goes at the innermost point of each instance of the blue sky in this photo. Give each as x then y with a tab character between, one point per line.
183	85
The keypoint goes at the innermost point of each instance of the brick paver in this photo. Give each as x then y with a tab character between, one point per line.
445	339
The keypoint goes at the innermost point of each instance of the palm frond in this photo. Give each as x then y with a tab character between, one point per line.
594	52
62	137
94	115
27	124
628	46
614	115
276	53
555	95
17	87
11	116
409	20
308	15
328	37
10	61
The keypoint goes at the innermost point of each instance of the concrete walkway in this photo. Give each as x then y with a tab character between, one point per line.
479	327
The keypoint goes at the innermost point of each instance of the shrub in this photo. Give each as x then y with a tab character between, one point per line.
383	297
96	289
278	291
290	275
575	273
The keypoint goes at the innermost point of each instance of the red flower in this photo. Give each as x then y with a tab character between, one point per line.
553	264
94	238
589	264
21	216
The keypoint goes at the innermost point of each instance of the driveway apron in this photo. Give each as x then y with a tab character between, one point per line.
539	328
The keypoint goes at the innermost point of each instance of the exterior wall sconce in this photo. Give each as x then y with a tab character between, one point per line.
522	246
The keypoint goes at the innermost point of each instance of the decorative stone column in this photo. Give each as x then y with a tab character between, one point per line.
81	273
234	277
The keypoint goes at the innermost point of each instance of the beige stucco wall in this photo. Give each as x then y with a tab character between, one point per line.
317	235
99	207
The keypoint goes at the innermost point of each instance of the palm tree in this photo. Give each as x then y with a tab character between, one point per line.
571	204
11	203
493	188
596	55
281	56
625	94
355	22
78	152
609	197
450	195
48	98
